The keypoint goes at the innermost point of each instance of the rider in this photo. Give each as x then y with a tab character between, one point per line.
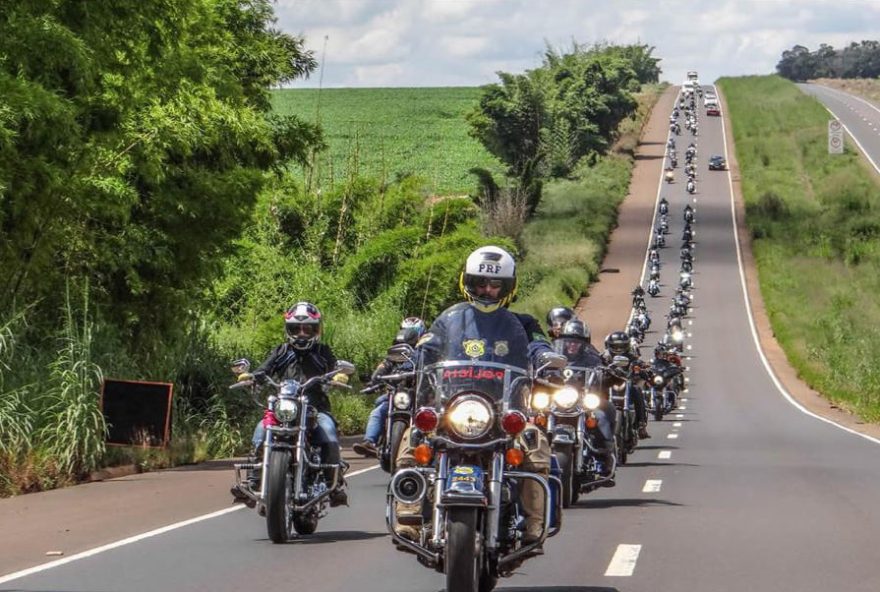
300	357
411	330
573	342
488	284
618	343
556	319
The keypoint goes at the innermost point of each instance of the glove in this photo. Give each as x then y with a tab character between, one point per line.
340	378
244	376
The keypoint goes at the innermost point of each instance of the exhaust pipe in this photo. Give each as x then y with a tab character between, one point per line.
408	486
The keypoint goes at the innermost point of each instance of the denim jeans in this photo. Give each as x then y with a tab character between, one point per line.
376	421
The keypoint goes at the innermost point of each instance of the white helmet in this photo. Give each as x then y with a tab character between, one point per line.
489	265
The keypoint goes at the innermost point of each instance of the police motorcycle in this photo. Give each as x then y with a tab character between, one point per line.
466	478
654	287
400	402
661	398
294	489
569	415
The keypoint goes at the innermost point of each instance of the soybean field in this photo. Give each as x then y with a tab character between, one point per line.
390	132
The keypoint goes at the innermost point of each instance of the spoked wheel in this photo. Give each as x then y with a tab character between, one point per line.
463	569
279	485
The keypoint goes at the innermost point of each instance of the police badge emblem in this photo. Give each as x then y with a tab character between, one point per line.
501	348
474	348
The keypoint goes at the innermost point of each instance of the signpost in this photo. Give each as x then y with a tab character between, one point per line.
835	137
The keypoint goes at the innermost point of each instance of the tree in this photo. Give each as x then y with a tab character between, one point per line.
134	138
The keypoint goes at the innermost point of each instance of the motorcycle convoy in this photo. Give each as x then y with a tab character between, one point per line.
466	426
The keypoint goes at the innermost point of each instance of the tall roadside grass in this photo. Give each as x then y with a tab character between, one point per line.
814	220
566	240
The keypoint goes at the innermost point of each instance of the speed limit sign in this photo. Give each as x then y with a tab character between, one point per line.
835	137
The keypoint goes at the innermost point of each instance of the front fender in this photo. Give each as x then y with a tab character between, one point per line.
464	487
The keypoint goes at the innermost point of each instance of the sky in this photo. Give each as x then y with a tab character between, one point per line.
376	43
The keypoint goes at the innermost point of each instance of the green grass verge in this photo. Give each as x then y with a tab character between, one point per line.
384	133
814	219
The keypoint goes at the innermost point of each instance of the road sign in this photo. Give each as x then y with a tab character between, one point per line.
835	137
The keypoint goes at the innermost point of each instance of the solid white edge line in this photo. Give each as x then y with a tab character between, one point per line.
851	135
624	561
757	341
656	205
652	486
133	539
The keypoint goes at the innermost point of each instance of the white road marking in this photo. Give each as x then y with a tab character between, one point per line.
652	486
679	416
684	400
664	454
624	561
677	424
672	436
134	539
683	408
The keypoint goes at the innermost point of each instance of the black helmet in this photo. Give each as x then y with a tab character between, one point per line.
411	330
572	339
303	324
556	318
617	343
638	290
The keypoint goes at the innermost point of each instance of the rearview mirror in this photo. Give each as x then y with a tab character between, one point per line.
346	368
241	366
553	360
400	353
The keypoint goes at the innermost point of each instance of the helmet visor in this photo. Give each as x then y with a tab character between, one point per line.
302	330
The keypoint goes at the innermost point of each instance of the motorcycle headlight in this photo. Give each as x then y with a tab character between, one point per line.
540	400
566	397
677	336
401	400
285	410
470	418
658	380
592	401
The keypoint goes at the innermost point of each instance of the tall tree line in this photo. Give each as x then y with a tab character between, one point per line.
857	60
134	138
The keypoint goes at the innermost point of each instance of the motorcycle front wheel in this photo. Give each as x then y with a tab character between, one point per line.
397	430
658	406
566	465
463	568
279	486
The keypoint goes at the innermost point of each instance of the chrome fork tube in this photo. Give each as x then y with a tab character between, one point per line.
267	447
439	485
299	453
493	513
581	433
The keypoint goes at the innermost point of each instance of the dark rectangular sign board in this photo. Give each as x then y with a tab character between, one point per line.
137	413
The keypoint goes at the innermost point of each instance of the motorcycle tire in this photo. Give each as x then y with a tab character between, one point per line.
305	523
462	565
658	407
397	430
566	465
279	486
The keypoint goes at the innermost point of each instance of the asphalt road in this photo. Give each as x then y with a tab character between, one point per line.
750	493
860	117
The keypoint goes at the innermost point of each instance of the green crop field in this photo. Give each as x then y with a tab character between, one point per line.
388	132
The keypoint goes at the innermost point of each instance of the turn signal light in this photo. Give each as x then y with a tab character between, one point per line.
423	454
426	419
513	422
541	421
592	423
514	457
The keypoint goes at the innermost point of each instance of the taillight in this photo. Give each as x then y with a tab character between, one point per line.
513	422
426	419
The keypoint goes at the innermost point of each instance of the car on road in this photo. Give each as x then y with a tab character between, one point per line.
717	163
713	110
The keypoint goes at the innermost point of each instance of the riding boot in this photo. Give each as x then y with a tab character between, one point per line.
407	516
536	449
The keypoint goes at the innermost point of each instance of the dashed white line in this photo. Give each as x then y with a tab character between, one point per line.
679	416
683	407
677	424
624	561
652	486
664	454
672	436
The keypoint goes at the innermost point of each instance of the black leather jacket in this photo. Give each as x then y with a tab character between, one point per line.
287	362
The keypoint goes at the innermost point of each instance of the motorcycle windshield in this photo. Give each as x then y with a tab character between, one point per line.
506	386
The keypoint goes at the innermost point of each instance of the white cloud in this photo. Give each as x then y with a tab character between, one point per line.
464	42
